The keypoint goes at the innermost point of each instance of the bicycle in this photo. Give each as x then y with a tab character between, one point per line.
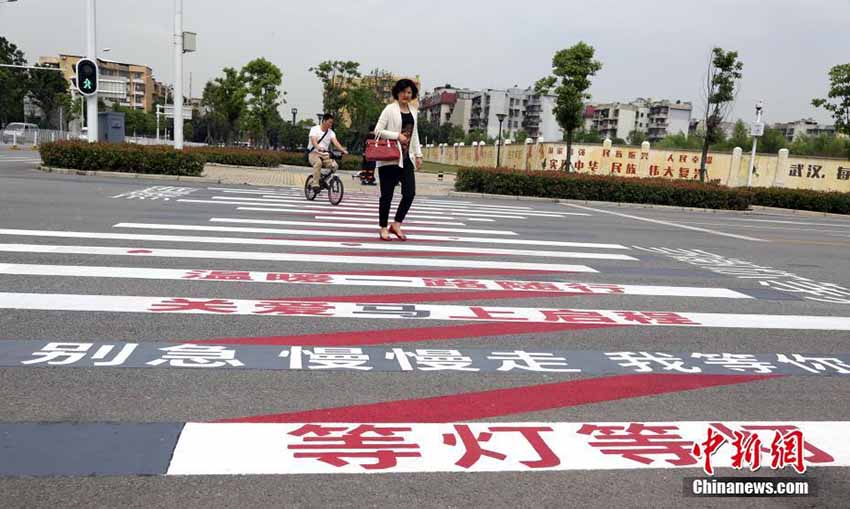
328	180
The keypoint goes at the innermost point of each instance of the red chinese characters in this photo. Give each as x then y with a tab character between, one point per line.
218	275
573	316
528	286
706	449
299	278
480	313
639	442
474	450
655	318
333	445
205	305
293	308
454	283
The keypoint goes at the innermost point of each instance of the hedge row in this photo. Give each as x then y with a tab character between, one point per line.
602	188
80	155
802	199
264	158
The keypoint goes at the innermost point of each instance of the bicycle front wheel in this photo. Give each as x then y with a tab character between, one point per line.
308	189
335	190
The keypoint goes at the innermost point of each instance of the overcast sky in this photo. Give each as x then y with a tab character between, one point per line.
649	48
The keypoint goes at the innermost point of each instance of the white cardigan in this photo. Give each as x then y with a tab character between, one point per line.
389	127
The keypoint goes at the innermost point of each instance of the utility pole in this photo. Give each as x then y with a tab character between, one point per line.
756	131
178	74
91	53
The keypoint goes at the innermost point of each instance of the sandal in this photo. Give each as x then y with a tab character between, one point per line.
397	234
387	238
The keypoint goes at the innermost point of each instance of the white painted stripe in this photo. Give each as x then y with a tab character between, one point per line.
247	276
319	206
480	220
446	238
366	224
373	215
314	210
387	246
290	257
365	310
669	223
371	222
280	449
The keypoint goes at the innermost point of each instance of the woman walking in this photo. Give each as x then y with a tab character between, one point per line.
398	122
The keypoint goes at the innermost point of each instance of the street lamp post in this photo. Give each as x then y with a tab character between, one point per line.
91	53
756	131
319	116
294	113
501	117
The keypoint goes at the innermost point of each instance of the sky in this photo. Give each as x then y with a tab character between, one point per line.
648	48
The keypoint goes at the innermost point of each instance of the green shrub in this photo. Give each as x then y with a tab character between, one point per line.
802	199
602	188
125	157
264	158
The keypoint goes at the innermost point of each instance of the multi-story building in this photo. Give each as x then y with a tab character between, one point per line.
803	127
656	119
667	117
129	85
448	105
524	109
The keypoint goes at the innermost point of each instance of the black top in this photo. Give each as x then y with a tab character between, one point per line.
407	128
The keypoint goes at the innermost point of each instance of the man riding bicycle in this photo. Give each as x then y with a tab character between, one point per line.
321	137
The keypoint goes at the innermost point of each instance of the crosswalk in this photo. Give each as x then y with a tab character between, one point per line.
265	262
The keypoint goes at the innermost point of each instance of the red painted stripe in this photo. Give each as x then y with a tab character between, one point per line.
392	254
451	272
406	335
516	400
440	296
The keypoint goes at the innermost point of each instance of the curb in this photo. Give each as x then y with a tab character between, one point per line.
149	176
754	209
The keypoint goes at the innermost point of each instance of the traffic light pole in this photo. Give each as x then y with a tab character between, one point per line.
91	52
178	74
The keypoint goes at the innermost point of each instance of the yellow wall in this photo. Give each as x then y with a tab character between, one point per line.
730	169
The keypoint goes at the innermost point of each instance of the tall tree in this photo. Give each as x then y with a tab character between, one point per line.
337	77
225	100
838	101
12	83
364	107
571	72
637	137
740	136
262	81
48	90
724	71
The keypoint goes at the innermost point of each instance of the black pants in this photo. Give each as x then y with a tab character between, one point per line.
390	177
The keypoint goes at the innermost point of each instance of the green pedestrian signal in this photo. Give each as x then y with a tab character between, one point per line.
87	76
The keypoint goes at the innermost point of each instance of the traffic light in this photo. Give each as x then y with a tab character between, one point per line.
87	76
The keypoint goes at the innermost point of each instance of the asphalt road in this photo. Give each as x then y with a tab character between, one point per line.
34	204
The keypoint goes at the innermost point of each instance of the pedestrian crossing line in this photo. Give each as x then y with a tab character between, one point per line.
389	246
452	209
367	310
361	225
292	257
343	206
207	275
373	224
346	214
312	210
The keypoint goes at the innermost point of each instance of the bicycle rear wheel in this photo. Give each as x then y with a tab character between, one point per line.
308	189
335	190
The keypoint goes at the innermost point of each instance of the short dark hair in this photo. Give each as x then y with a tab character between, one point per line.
327	116
405	83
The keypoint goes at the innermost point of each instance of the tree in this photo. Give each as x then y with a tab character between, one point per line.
479	135
680	141
637	137
364	107
583	136
740	136
521	136
12	83
724	70
262	80
225	100
772	141
571	72
47	89
838	102
336	77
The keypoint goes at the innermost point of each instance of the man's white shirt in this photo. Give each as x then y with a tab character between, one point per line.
316	132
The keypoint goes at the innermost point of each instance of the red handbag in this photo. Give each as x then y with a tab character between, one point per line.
382	150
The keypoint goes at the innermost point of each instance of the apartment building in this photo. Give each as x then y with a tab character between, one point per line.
448	105
524	109
803	127
129	85
656	119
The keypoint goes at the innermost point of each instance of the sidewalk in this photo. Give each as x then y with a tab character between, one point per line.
289	176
